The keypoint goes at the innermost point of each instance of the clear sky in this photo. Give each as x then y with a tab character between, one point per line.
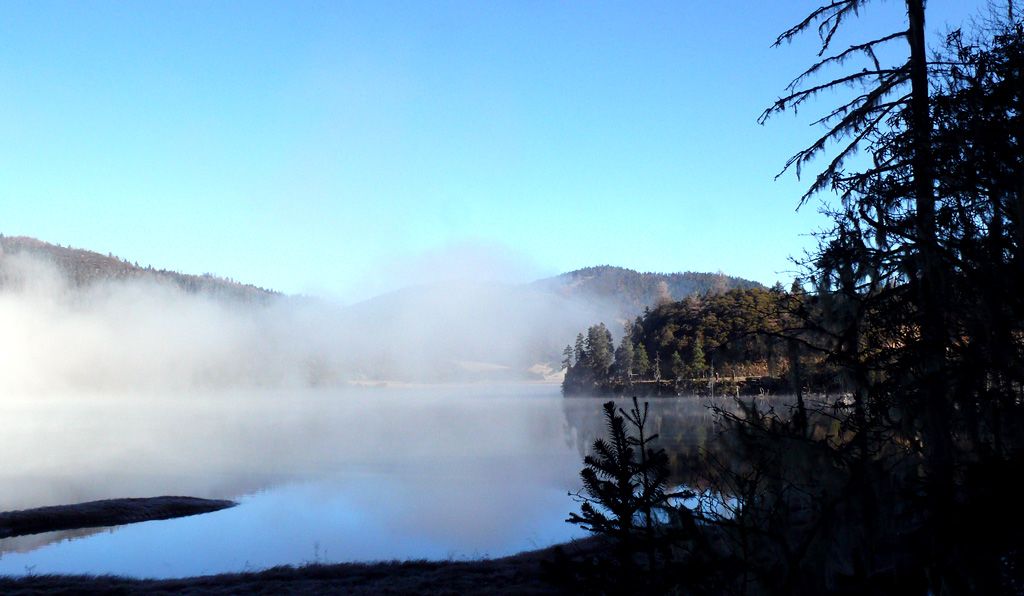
322	146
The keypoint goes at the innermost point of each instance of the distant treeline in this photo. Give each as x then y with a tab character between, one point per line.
631	291
740	340
83	268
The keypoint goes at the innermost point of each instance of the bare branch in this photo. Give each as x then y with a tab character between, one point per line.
793	100
856	120
799	28
858	101
840	58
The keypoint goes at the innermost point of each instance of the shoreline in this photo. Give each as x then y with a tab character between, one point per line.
520	573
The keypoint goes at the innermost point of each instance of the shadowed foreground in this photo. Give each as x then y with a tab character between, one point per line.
110	512
518	574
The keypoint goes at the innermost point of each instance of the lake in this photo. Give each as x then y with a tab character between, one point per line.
328	475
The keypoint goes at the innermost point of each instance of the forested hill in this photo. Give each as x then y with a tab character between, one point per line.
749	336
631	291
83	268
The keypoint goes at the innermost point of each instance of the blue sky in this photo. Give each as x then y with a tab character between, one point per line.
335	147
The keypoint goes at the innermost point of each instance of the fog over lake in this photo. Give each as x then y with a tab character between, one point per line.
148	334
328	475
139	388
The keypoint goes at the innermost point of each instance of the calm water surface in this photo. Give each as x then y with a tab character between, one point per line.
321	475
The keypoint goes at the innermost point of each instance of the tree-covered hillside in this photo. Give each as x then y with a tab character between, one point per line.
629	292
83	268
681	346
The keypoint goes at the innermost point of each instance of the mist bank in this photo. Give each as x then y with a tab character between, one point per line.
435	465
148	334
136	334
75	320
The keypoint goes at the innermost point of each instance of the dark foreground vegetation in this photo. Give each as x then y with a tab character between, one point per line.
108	512
904	482
526	573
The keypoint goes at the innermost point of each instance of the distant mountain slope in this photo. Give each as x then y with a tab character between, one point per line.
631	291
447	326
451	331
83	268
466	330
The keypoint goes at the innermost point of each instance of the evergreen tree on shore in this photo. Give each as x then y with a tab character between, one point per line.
643	363
624	358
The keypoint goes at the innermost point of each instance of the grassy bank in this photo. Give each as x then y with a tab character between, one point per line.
517	574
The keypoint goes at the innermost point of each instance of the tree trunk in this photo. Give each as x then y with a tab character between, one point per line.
931	296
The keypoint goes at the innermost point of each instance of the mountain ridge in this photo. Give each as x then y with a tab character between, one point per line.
84	267
632	291
628	289
473	329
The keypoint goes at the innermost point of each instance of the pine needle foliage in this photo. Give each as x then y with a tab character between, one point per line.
624	484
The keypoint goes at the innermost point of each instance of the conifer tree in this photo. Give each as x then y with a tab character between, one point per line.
698	362
624	484
580	350
643	363
567	355
677	366
624	356
599	351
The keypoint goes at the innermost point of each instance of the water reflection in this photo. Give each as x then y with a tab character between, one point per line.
685	427
361	474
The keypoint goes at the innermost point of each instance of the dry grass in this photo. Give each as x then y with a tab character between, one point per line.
517	574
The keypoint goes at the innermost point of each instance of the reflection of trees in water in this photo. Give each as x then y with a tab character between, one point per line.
29	543
685	427
778	499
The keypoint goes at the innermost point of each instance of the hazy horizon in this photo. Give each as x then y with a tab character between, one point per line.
150	335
